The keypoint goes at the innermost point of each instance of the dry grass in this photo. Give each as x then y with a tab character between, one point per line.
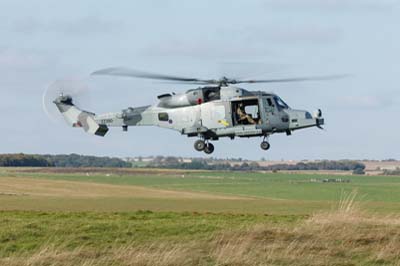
155	255
11	186
344	236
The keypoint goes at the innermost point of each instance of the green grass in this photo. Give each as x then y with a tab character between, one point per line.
28	231
283	219
269	185
339	237
279	193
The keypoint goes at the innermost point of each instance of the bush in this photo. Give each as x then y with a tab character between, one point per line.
358	171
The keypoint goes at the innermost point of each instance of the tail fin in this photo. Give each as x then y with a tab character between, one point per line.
78	118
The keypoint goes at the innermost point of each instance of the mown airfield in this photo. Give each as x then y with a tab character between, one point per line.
140	216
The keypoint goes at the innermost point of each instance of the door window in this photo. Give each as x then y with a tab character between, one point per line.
269	105
163	116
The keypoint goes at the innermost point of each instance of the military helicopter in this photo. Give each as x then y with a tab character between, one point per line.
216	109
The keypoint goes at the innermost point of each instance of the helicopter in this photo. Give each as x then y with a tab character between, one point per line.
217	108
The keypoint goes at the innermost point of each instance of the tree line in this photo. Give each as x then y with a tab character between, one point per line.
207	164
76	160
62	160
21	159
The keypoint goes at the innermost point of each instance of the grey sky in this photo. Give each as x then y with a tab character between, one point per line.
42	41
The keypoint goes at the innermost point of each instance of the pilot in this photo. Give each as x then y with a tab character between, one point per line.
243	116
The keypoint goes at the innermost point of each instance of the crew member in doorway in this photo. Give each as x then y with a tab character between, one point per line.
244	118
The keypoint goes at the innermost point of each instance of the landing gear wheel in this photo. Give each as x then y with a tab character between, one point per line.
199	145
209	148
265	145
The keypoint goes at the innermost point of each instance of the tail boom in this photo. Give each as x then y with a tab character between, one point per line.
79	118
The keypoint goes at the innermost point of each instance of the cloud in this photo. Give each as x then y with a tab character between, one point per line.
287	34
81	26
366	102
16	59
334	5
217	49
245	41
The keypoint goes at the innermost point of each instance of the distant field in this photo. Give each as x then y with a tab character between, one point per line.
172	217
176	190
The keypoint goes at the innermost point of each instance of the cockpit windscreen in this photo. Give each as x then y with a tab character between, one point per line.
280	103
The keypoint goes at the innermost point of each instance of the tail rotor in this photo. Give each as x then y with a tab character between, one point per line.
74	88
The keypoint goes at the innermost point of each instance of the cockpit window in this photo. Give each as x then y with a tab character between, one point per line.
280	103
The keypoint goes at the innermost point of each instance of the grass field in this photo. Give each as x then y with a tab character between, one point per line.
272	193
171	217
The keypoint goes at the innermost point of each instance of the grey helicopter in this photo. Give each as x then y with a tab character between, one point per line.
217	108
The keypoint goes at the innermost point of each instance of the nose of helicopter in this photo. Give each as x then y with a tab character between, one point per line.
303	119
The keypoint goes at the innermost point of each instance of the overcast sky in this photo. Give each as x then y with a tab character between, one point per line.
42	41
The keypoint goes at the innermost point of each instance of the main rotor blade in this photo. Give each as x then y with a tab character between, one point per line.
126	72
291	79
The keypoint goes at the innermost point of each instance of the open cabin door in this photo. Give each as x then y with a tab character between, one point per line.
246	112
246	117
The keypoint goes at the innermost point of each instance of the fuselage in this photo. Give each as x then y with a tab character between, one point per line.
207	113
214	112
